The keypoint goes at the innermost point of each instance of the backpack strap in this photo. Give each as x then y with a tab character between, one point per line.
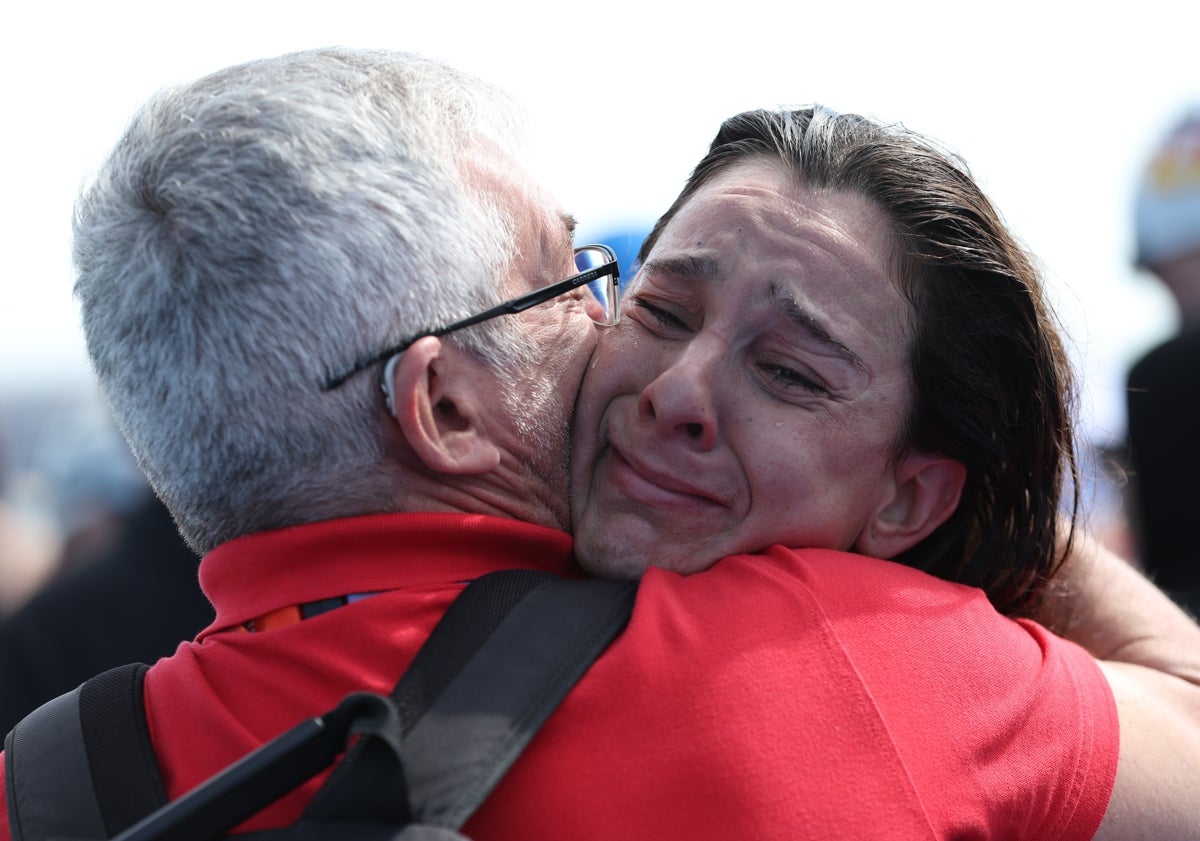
502	658
353	791
82	765
461	748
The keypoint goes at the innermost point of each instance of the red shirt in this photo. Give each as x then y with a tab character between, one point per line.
788	695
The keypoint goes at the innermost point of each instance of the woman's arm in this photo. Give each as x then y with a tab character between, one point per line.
1149	650
1101	602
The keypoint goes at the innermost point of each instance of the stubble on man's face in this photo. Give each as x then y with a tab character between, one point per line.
559	336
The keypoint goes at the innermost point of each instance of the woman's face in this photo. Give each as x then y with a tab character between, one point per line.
755	388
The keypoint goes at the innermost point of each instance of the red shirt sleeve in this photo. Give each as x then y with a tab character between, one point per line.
5	833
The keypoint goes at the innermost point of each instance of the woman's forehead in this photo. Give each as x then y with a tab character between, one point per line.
753	233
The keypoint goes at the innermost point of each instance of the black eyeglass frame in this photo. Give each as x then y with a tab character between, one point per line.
509	307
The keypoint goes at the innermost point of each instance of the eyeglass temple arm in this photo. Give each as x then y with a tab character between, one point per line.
515	305
531	299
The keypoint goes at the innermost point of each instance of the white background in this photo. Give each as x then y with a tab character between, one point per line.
1054	106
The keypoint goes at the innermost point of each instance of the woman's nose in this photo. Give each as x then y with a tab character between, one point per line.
679	401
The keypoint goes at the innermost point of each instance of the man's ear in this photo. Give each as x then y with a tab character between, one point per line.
435	399
925	493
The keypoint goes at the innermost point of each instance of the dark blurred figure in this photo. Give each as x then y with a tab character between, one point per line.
1164	386
29	546
134	600
29	549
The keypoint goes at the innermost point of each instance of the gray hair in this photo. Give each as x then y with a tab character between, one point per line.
261	229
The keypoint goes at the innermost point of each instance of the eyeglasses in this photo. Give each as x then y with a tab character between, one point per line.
597	265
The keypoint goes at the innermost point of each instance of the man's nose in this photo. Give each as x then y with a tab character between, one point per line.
680	400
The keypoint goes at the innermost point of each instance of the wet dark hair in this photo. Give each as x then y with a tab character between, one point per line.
992	383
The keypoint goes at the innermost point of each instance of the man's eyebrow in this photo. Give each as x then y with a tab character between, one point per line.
810	324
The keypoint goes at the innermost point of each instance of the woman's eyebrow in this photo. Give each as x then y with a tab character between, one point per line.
693	267
569	223
795	312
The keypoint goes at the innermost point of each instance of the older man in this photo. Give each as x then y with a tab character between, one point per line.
255	250
269	246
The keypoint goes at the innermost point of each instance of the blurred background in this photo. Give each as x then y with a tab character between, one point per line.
1055	107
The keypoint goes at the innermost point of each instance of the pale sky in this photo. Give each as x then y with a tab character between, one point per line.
1054	107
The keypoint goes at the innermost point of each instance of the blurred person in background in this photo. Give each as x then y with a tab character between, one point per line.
116	582
29	546
1164	385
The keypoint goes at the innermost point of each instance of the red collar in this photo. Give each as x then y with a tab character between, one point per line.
253	576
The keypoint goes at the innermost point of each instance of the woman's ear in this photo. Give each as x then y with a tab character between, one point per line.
925	492
434	392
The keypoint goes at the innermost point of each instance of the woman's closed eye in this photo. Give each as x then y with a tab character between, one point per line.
661	316
788	380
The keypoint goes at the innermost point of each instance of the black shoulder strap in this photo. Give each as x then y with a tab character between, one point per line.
500	661
353	789
472	735
82	765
